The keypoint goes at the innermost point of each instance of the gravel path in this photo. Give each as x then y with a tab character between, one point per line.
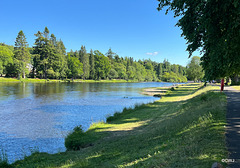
233	126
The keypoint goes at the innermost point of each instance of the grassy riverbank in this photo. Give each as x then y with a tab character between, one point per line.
183	129
236	87
36	80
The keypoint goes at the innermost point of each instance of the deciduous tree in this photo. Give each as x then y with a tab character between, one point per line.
194	69
213	27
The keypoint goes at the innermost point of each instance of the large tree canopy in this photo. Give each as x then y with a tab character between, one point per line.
213	27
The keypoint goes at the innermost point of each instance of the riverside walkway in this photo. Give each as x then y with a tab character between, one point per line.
233	126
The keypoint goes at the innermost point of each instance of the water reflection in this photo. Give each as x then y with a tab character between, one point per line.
39	115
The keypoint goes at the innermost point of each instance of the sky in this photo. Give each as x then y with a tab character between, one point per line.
132	28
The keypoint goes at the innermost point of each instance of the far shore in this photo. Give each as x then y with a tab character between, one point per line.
37	80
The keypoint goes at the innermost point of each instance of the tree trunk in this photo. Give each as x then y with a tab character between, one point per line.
23	74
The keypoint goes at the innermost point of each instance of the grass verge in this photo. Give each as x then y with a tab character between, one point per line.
183	129
36	80
236	87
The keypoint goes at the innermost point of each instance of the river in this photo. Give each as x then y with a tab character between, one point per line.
37	116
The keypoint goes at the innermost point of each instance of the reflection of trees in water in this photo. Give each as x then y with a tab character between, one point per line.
17	90
57	91
51	90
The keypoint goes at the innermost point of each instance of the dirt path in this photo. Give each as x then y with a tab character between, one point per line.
233	126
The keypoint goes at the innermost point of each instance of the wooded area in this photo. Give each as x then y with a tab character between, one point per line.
48	59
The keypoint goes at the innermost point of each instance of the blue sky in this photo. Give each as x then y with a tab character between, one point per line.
132	28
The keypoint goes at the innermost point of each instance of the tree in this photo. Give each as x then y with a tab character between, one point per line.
75	67
131	72
121	70
113	74
41	52
212	26
92	65
102	65
49	56
84	59
194	69
6	58
159	70
166	66
21	54
110	54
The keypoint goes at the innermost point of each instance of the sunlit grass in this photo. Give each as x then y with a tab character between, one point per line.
36	80
183	129
236	87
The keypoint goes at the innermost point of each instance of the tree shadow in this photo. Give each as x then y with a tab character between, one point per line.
161	136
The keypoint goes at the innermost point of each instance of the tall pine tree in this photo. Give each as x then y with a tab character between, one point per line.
92	65
21	54
84	59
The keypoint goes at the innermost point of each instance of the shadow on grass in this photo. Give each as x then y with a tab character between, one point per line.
186	133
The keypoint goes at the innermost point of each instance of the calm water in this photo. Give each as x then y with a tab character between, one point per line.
38	116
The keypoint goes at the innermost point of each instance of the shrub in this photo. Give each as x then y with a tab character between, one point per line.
3	159
75	140
79	139
5	165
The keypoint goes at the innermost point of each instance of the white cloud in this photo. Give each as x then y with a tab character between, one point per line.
153	53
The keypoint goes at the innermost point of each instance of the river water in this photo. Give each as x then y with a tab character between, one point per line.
37	116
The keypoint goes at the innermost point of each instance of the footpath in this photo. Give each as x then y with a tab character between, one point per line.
233	126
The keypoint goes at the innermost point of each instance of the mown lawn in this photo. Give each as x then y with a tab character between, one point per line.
183	129
236	87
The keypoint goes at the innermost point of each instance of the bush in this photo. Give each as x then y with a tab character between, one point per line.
79	139
5	165
74	140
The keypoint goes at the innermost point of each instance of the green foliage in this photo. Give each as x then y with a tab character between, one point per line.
75	67
110	54
21	55
194	69
113	74
180	130
121	70
92	65
102	65
84	59
79	139
49	60
173	77
213	27
49	56
74	140
6	59
3	159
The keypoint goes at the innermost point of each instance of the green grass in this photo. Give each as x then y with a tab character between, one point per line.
30	80
183	129
236	87
36	80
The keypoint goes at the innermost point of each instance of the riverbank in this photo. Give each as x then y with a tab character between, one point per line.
183	129
36	80
159	91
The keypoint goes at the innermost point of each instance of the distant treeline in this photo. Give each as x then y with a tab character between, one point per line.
48	59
